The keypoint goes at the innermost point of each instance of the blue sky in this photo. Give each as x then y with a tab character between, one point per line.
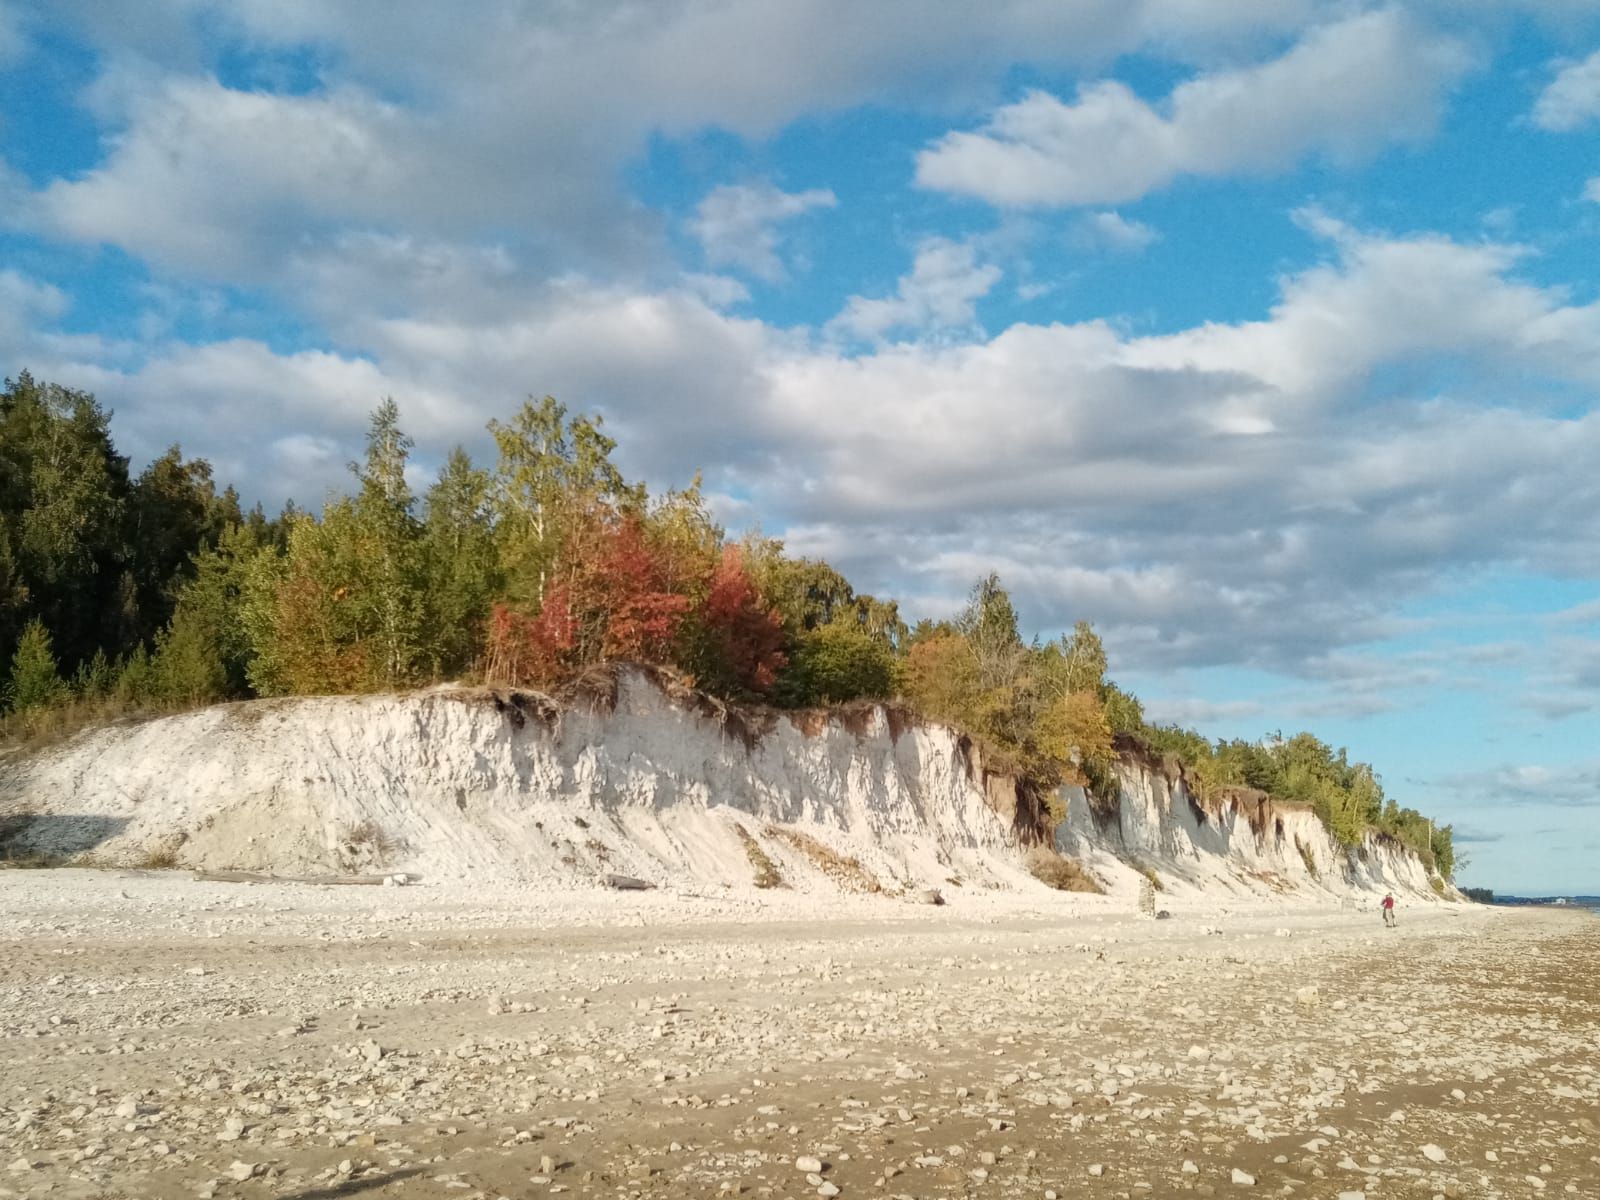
1265	335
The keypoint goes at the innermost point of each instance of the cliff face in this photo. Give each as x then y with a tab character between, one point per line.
632	776
1240	843
456	784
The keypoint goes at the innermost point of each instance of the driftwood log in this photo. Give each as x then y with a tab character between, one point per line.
318	880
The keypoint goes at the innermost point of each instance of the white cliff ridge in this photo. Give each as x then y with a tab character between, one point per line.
634	776
1240	843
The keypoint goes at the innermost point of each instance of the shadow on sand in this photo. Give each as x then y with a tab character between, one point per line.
27	835
354	1187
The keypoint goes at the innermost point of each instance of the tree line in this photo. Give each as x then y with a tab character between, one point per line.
157	592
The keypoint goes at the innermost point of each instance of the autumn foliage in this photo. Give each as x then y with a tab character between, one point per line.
744	633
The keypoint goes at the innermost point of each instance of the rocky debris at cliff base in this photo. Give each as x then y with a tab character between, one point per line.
648	1044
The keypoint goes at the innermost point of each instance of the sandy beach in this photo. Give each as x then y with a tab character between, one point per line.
168	1038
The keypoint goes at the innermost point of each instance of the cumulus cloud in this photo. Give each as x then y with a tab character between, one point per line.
1591	190
1576	784
939	295
1257	492
420	124
1343	91
1113	232
1572	98
24	298
737	224
226	184
1191	713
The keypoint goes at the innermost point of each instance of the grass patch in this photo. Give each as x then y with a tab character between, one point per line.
1060	872
162	858
40	728
364	845
848	873
766	870
1437	885
1307	857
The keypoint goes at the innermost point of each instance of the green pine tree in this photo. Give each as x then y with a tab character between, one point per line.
35	681
461	565
187	669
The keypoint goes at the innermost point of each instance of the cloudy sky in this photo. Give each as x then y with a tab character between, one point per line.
1264	334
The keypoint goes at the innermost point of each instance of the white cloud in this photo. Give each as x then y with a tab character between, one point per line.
1572	98
1344	91
27	298
1533	783
426	126
1194	713
227	184
737	225
1591	190
1227	493
940	294
1112	231
719	291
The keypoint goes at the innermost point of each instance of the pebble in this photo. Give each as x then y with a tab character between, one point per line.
932	1082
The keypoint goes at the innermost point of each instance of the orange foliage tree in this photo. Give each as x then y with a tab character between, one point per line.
744	635
612	598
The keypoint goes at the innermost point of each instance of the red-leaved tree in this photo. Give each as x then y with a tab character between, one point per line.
611	598
622	596
744	634
523	650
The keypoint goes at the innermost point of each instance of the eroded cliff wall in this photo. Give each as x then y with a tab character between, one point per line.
636	776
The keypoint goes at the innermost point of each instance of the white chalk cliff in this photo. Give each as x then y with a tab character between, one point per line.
638	777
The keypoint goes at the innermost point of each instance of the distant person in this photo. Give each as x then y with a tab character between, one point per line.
1388	910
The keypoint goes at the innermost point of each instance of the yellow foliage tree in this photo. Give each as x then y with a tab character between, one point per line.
1073	733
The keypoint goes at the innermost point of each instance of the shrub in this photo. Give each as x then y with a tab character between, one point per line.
1306	857
767	875
845	871
836	663
1059	872
365	844
162	858
1150	874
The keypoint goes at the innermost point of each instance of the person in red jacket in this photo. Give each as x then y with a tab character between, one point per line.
1388	910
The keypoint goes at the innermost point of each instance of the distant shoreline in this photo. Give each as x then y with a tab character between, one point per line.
1581	903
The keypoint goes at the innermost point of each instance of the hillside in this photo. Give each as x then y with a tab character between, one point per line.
630	773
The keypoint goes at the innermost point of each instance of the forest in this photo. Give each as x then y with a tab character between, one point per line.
130	594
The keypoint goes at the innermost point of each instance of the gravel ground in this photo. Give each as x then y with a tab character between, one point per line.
168	1038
